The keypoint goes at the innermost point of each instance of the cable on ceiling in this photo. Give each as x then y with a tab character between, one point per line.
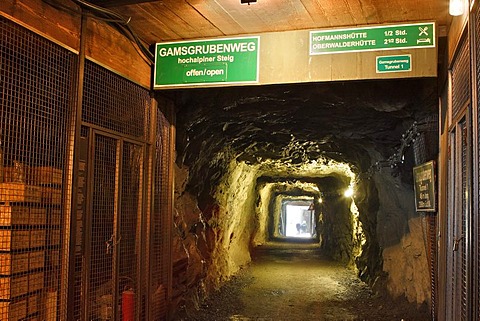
408	138
113	18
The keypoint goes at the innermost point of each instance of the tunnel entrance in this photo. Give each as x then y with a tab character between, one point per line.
298	219
255	159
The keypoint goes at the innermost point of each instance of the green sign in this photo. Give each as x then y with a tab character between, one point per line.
418	35
216	61
394	63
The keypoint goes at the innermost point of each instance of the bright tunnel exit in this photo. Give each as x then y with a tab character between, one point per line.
299	219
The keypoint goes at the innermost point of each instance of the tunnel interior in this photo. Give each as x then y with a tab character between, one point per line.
245	155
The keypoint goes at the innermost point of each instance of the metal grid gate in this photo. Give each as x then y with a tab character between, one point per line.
457	287
462	236
36	79
116	116
160	243
107	278
432	258
476	180
115	104
458	238
101	249
461	78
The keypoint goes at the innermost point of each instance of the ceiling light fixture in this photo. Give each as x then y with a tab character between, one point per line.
248	1
456	7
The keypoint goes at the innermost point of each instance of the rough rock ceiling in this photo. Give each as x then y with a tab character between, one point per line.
294	124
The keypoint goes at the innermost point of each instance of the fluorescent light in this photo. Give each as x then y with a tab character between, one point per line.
456	7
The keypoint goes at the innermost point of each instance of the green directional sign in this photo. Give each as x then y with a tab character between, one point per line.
394	63
417	35
207	62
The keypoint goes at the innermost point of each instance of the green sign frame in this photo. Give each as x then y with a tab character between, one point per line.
390	37
398	63
207	62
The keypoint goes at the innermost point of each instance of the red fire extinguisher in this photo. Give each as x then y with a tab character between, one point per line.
128	305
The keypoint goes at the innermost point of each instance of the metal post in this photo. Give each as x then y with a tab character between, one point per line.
67	297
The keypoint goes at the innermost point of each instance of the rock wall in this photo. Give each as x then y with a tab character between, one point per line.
212	244
234	222
401	235
262	207
336	230
406	265
192	245
213	240
370	262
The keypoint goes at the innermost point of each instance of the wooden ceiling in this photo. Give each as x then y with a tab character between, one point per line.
170	20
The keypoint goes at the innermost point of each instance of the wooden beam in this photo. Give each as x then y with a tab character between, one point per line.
118	3
57	25
107	47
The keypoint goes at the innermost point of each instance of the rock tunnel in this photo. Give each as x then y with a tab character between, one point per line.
246	153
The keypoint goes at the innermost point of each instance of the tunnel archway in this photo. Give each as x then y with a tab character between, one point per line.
242	151
334	218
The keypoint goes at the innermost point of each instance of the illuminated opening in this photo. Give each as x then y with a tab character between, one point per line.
299	219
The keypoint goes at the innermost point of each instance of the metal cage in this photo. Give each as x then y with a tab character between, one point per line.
36	79
82	237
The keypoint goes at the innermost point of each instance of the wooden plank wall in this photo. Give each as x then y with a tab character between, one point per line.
36	15
110	49
104	44
285	58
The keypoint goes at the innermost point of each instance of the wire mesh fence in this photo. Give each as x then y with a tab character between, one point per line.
461	87
105	277
117	115
35	100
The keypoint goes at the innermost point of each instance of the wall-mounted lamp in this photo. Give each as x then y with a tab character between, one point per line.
348	192
456	7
